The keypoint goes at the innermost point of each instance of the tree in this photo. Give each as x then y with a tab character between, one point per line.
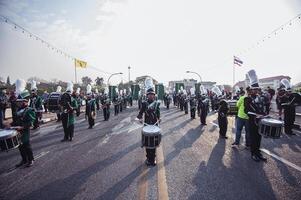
86	80
8	81
99	81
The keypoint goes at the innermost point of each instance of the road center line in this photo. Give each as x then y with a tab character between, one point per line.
282	159
162	185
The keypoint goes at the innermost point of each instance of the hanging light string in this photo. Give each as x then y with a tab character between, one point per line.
262	40
49	45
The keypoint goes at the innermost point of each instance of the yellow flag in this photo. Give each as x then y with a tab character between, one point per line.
80	63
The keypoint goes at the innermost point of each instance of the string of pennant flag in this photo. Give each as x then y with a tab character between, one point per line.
77	62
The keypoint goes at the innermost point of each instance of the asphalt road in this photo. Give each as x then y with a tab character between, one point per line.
107	162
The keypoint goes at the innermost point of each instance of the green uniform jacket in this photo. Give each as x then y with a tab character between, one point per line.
26	120
71	116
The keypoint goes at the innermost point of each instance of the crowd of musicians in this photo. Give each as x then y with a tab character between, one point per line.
252	104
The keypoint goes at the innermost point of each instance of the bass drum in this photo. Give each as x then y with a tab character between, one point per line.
9	139
54	102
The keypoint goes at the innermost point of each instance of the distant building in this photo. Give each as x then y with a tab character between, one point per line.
272	82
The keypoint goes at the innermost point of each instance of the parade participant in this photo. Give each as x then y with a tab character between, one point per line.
120	100
168	100
90	107
192	103
185	102
255	113
106	105
151	110
78	99
36	103
174	98
97	99
139	100
289	108
58	113
45	99
25	119
222	118
130	98
116	103
69	105
242	121
3	104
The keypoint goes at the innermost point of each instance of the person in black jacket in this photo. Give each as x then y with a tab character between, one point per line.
222	119
151	110
255	110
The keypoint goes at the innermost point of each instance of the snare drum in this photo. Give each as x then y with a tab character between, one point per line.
54	102
271	128
9	139
233	110
151	136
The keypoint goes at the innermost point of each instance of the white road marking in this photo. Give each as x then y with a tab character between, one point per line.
80	121
215	124
40	155
281	159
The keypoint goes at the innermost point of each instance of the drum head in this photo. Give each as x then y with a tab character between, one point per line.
271	121
4	134
151	129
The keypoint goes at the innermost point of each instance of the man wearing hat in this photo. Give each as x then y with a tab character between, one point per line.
69	105
25	119
192	103
255	113
36	103
151	110
90	107
222	118
289	107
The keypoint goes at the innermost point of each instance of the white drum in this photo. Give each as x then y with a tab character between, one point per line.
151	136
9	139
271	128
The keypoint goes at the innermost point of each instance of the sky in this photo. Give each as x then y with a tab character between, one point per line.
160	38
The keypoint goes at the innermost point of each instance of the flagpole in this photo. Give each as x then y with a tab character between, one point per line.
75	71
233	77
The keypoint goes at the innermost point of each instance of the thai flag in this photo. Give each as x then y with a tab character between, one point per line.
237	61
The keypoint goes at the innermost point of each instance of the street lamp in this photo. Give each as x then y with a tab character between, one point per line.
119	73
196	74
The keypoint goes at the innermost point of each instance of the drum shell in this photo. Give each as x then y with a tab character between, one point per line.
270	130
233	110
9	142
54	102
150	140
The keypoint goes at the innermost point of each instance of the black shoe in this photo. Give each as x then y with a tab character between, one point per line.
29	164
261	157
20	164
147	162
70	139
64	140
90	127
224	137
255	158
154	163
234	145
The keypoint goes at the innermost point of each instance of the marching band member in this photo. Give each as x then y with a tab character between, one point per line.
203	105
151	110
36	103
77	96
255	113
25	119
90	107
106	105
116	103
69	105
185	102
192	103
222	118
289	108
